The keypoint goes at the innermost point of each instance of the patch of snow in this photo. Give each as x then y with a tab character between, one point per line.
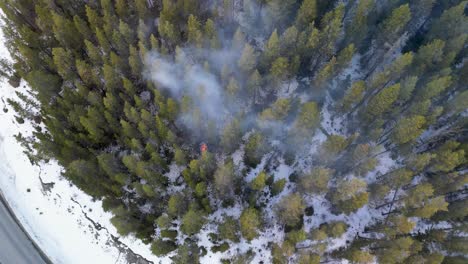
331	124
147	208
423	226
288	88
283	171
385	164
356	221
353	71
176	188
174	172
234	211
317	140
238	158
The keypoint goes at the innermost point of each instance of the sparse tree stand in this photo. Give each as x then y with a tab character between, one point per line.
122	94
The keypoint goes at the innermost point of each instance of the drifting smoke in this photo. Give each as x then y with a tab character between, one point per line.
186	79
185	76
193	78
182	78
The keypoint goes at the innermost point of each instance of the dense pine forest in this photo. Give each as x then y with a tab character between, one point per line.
273	131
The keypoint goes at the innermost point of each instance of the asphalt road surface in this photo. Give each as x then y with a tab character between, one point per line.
15	246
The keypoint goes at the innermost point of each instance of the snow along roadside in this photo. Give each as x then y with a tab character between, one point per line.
10	211
53	219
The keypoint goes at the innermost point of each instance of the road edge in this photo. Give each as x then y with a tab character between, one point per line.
43	255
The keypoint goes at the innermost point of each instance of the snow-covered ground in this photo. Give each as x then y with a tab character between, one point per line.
59	219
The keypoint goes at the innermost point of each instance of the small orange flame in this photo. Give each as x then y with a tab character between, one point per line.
203	147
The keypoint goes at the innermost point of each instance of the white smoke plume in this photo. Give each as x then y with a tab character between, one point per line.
185	77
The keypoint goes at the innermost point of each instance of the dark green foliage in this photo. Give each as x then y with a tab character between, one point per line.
259	182
334	229
229	229
395	23
250	222
224	179
177	205
87	175
187	253
163	247
306	122
349	195
179	157
221	248
231	135
123	220
255	148
278	186
170	234
192	222
290	209
163	221
316	181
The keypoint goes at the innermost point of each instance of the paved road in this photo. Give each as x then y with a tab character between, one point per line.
15	245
